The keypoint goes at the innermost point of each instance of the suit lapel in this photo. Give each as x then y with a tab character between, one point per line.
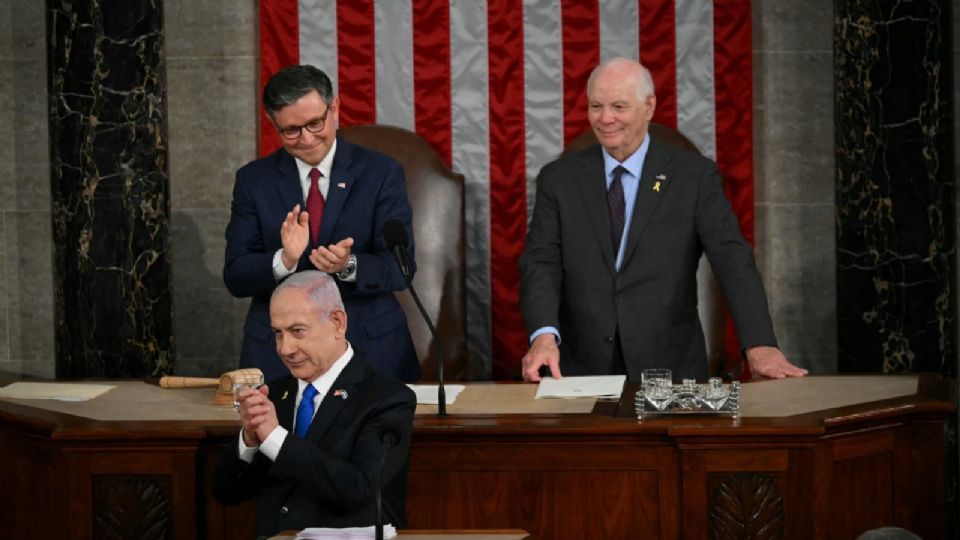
288	182
286	393
332	404
654	181
593	193
342	179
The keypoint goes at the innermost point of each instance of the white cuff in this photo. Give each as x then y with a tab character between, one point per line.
279	270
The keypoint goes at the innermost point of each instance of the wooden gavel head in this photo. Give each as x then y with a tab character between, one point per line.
239	376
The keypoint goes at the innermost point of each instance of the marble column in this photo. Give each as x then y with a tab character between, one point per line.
896	303
109	188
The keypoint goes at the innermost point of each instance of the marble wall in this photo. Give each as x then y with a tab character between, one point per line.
109	189
895	219
211	71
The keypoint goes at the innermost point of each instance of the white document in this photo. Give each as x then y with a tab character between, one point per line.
427	393
602	386
348	533
59	391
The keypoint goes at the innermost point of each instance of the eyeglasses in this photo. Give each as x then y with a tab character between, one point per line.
314	126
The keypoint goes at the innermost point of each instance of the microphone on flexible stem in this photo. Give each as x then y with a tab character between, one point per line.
395	236
388	439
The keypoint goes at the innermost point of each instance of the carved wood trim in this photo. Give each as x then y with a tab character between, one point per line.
132	507
746	506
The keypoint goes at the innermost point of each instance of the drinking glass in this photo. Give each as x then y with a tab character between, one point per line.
249	381
657	387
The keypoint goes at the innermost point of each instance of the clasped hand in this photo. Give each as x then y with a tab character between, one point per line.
295	237
257	415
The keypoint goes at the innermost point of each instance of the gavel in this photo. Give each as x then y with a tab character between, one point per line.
224	385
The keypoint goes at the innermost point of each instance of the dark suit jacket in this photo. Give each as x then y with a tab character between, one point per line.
367	189
328	478
568	271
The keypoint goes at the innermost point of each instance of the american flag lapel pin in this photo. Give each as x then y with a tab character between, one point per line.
342	394
342	185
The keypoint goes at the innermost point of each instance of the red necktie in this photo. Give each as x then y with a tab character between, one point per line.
315	204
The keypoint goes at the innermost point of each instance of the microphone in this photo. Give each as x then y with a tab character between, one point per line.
395	236
388	439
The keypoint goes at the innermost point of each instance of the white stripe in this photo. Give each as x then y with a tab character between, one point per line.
619	21
318	36
394	62
543	96
696	100
471	150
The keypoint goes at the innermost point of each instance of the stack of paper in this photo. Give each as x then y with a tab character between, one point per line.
606	386
347	533
427	393
60	391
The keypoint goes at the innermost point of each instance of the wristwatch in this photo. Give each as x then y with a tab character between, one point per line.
349	270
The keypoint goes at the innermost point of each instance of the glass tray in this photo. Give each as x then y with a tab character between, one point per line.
692	399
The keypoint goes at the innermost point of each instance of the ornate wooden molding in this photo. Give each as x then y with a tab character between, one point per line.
131	507
746	506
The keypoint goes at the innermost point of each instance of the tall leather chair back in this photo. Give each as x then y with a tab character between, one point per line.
437	198
710	304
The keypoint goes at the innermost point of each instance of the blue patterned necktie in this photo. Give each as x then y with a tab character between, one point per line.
617	209
305	411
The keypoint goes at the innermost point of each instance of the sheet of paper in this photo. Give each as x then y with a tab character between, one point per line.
603	386
60	391
347	533
427	393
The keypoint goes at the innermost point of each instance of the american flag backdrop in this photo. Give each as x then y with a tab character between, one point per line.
498	88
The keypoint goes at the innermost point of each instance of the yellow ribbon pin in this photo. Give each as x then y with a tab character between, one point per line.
285	394
656	187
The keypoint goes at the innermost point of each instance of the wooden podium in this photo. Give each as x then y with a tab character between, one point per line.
139	459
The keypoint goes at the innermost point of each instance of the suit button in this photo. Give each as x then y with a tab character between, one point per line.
284	510
608	339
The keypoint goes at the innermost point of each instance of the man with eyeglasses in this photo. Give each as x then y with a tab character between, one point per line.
319	202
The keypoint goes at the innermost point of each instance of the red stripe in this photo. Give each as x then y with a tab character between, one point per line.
658	53
734	105
431	75
356	65
580	26
279	47
508	215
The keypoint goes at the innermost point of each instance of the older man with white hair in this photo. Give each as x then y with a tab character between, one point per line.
316	445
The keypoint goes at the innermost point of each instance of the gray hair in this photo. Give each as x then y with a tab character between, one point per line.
322	291
291	83
643	78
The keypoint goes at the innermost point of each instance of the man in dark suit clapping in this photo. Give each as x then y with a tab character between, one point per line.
319	202
610	262
315	445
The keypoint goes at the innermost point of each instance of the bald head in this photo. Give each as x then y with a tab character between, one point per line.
624	69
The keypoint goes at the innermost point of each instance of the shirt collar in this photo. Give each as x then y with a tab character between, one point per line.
325	381
633	164
326	164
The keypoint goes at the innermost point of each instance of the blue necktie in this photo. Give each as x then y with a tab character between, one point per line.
305	411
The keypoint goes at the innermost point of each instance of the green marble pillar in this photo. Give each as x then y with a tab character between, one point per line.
895	213
109	188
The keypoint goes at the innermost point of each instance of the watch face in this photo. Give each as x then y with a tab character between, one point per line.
349	268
